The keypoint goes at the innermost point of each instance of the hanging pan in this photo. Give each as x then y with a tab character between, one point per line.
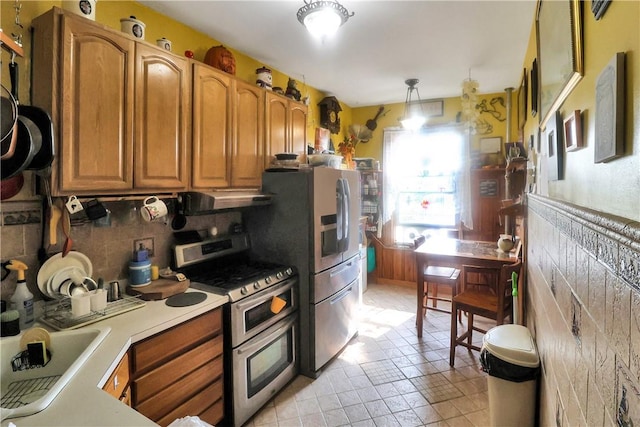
9	123
44	156
28	144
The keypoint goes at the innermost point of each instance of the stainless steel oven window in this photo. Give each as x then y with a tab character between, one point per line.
262	366
266	364
261	302
261	313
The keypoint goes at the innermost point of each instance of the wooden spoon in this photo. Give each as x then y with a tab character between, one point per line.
66	229
54	217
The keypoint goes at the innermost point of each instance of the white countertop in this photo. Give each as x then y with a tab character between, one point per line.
83	402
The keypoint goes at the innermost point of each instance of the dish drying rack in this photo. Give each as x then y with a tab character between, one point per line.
57	314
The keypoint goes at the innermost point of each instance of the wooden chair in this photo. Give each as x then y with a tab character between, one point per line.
485	292
436	276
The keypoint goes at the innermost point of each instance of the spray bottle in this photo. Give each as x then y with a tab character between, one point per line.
22	299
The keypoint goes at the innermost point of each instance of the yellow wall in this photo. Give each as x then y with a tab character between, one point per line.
452	106
157	26
609	187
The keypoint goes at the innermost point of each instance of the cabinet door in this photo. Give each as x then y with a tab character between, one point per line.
298	139
212	114
487	186
277	126
96	103
162	120
247	153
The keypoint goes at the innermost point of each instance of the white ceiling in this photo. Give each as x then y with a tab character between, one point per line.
383	44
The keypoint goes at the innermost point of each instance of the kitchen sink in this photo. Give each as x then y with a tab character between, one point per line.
25	392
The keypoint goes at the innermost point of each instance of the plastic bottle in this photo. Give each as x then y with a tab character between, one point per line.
22	299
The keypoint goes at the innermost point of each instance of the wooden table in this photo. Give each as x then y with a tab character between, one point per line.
442	251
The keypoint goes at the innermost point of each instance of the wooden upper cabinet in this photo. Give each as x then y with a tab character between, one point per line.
163	116
96	109
247	152
212	121
298	141
277	118
286	126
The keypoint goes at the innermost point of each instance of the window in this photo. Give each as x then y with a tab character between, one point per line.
424	182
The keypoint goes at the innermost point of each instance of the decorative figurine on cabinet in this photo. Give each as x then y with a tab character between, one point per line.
221	58
292	90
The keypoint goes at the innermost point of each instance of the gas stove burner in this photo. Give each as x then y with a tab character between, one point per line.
224	266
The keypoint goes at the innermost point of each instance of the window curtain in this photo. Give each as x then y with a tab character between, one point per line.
401	158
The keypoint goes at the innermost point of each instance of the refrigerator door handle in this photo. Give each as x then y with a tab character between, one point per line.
346	200
340	214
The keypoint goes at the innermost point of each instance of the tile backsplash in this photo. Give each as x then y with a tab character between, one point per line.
109	248
583	306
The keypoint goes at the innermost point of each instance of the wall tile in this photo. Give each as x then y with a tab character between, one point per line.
629	266
627	408
597	299
605	371
570	273
581	284
589	341
595	405
634	340
618	320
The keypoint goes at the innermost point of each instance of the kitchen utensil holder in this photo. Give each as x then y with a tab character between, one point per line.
57	314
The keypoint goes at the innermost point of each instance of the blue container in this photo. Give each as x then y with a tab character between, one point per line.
371	259
139	273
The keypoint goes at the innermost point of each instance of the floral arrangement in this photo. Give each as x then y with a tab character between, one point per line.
348	147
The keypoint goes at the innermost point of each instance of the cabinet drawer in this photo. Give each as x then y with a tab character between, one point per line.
119	379
200	405
166	345
154	381
179	392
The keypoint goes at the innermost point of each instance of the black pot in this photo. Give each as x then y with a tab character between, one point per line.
44	156
27	145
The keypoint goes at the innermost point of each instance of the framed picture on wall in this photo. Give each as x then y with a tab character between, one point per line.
522	101
609	128
534	88
560	53
573	131
553	136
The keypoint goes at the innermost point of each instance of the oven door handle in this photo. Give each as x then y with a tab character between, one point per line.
287	284
263	338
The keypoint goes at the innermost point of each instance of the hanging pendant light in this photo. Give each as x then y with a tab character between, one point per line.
413	118
469	101
322	18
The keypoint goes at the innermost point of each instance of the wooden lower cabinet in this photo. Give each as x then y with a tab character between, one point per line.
179	372
118	383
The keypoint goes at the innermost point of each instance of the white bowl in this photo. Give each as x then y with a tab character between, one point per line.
330	160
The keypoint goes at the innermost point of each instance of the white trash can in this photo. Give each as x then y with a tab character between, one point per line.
510	358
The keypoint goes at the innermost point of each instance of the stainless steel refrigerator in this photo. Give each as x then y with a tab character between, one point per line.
312	224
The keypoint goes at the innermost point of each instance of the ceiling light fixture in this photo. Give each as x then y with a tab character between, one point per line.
323	17
413	118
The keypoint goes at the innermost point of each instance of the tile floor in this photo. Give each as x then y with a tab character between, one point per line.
386	376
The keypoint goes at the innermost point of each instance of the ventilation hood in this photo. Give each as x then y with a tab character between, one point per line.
202	203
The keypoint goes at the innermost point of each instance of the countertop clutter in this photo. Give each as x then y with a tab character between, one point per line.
83	402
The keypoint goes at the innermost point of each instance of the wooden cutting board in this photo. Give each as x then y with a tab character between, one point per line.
159	289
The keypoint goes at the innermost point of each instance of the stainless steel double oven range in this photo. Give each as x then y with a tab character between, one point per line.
260	323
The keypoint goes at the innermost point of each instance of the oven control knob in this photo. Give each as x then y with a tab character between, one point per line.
244	290
256	285
279	275
289	271
267	280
